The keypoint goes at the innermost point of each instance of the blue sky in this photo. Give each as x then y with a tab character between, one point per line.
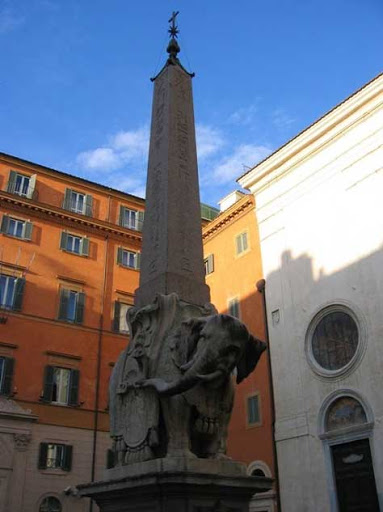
75	92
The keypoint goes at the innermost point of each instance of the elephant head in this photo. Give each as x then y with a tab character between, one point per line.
216	345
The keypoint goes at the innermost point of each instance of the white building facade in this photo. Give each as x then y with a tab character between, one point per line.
319	206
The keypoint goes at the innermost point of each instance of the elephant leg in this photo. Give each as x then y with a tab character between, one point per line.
176	414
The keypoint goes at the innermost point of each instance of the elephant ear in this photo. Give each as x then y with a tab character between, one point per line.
250	357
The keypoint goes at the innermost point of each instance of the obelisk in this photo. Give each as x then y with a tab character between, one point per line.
172	257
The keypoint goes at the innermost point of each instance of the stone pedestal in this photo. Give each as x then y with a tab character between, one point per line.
176	485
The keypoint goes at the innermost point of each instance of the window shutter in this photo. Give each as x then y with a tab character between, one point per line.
211	263
64	297
73	387
109	459
66	203
6	388
43	454
119	255
121	219
85	246
28	226
239	245
67	460
4	224
244	241
140	224
137	260
32	185
88	205
48	384
12	182
80	303
19	292
63	240
116	319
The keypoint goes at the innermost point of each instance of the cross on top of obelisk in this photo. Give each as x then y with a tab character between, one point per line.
173	29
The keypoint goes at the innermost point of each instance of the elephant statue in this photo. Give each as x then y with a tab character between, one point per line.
172	389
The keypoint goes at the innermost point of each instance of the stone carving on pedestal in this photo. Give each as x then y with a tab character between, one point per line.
172	390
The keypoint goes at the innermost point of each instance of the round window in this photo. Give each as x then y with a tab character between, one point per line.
50	504
335	340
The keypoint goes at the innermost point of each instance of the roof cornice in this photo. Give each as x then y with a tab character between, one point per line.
228	216
317	135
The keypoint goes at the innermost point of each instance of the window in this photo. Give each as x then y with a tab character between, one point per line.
234	307
75	244
128	259
241	242
78	202
131	219
335	341
21	184
50	504
71	306
253	413
120	323
55	456
11	292
6	374
209	264
61	385
16	227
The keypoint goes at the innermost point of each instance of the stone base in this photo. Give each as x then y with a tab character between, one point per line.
176	485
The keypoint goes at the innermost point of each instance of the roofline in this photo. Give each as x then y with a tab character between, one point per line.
72	176
273	155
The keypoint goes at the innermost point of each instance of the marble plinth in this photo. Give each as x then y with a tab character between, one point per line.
176	485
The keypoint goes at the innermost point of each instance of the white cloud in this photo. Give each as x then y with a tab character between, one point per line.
209	141
281	118
244	115
99	159
243	156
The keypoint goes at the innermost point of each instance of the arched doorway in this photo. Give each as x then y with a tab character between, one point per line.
347	431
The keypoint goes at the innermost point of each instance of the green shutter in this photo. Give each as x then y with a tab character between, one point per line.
80	303
32	185
48	384
12	182
73	387
64	297
19	292
140	224
64	240
4	224
43	454
239	245
119	255
28	226
244	241
67	460
116	318
6	388
137	260
211	263
67	196
85	246
88	205
121	218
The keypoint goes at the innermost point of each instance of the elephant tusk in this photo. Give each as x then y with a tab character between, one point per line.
211	376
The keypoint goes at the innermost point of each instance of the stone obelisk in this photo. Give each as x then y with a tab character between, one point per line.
172	258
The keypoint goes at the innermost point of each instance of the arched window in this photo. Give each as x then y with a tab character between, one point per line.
344	412
50	504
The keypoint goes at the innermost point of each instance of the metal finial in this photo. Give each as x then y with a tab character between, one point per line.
173	29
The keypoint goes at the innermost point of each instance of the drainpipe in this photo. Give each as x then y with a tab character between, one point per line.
261	286
98	368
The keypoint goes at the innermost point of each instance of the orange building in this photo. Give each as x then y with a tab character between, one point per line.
233	268
69	259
